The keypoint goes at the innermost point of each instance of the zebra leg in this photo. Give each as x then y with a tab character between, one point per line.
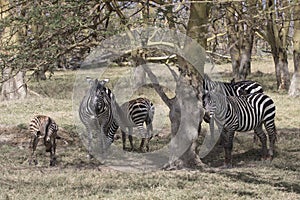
255	138
124	139
143	133
89	155
34	142
52	153
263	139
130	129
227	139
271	130
148	135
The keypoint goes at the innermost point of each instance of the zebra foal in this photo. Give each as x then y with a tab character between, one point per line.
43	127
244	113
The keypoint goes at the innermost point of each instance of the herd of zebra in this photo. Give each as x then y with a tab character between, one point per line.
234	106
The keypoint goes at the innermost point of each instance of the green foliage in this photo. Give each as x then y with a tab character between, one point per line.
49	32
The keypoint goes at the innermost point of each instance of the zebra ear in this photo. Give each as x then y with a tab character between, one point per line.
206	77
90	80
104	81
216	89
205	92
232	81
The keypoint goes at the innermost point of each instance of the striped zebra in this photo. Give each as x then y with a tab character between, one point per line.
135	113
244	113
96	114
43	127
232	88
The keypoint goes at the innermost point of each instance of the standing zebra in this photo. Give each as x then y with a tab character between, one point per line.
43	127
244	113
133	114
95	113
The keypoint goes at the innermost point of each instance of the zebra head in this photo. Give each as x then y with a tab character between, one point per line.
102	96
51	132
208	103
213	101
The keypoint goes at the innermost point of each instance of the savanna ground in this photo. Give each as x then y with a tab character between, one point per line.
77	177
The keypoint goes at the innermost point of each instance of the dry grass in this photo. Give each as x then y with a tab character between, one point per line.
76	177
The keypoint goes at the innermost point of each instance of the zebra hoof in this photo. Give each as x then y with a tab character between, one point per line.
227	166
34	161
89	156
53	163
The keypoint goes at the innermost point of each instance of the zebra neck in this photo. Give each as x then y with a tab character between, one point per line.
221	108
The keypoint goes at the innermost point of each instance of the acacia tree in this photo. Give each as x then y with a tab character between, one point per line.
39	36
295	83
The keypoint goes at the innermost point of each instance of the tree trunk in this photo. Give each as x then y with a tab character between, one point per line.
186	117
245	55
189	86
276	35
13	87
240	44
295	83
281	70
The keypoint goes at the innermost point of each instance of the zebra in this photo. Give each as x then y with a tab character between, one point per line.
243	113
231	89
95	113
135	113
43	127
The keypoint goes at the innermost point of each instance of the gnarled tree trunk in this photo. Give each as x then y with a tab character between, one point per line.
13	87
13	83
277	35
241	37
187	132
295	83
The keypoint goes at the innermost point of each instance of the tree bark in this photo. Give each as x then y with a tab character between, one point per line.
189	86
281	69
295	83
241	36
14	86
276	35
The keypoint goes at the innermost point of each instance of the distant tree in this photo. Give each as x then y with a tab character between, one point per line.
274	28
295	83
13	82
240	36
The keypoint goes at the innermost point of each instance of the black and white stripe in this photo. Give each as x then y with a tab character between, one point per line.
98	111
43	127
96	114
244	113
135	113
230	88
